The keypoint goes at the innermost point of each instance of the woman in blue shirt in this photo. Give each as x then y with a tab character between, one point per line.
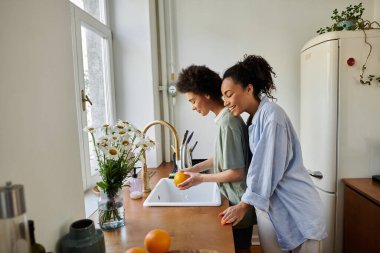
288	207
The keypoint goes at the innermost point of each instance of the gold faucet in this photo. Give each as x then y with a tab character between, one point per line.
144	175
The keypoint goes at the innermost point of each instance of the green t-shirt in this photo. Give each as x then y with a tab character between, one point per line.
231	152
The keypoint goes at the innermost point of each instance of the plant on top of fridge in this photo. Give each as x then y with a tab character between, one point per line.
351	20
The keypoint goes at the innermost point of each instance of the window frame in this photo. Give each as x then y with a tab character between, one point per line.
81	18
105	11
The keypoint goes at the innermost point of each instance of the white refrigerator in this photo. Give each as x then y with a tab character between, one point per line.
340	118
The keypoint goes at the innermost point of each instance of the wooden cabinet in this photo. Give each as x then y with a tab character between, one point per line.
361	221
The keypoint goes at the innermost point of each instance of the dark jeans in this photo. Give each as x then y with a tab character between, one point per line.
242	237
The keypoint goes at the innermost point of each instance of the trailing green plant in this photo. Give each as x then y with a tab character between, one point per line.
367	80
351	20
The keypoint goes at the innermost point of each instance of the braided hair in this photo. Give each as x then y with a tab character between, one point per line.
253	70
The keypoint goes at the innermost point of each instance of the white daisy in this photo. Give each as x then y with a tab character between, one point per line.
151	144
126	141
139	134
121	132
105	128
131	128
112	153
120	124
89	129
145	144
104	138
113	137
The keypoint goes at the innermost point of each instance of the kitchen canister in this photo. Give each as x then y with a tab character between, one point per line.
14	232
83	238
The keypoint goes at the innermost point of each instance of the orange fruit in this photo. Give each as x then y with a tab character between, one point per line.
180	177
157	241
136	250
224	222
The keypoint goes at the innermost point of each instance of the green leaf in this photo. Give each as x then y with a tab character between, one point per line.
102	185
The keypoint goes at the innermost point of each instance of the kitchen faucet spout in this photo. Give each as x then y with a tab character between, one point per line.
144	175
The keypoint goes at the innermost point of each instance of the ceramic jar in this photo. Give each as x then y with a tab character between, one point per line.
83	238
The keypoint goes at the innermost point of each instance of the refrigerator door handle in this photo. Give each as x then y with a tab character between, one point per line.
316	174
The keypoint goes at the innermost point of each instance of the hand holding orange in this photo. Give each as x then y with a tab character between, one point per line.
223	221
157	241
180	177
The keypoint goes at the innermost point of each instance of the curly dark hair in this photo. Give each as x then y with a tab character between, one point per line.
253	70
200	80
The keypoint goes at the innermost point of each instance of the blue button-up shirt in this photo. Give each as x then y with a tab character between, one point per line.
277	181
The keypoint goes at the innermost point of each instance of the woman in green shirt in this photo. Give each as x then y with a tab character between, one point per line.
202	88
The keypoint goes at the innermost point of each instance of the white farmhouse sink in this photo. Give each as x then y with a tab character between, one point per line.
167	194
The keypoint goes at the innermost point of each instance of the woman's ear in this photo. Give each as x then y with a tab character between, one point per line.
249	89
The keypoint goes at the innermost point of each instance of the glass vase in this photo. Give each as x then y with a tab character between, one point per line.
111	210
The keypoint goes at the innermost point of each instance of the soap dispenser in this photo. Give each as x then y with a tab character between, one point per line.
135	183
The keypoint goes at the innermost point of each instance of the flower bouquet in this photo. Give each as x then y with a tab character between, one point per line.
118	149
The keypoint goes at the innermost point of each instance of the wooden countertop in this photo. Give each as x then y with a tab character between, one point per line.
189	227
366	187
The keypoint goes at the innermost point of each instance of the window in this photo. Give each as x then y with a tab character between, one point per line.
95	8
94	81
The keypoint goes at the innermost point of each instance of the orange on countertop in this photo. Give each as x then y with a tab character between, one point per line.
157	241
136	250
180	177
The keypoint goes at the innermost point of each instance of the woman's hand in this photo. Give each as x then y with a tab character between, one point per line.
234	214
194	179
199	167
189	169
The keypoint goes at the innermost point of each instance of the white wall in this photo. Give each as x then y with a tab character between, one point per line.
39	144
136	66
376	10
217	33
